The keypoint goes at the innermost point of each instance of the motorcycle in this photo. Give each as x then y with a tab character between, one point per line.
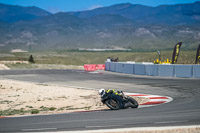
114	104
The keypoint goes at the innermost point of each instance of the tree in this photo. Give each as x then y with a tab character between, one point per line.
30	59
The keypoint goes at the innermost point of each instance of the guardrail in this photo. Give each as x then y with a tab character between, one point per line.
164	70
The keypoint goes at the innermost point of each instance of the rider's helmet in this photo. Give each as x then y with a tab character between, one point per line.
102	91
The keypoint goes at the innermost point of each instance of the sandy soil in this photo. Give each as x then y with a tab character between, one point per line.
38	66
4	67
14	62
21	98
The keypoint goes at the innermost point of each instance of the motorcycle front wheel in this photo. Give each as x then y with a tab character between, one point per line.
112	104
133	102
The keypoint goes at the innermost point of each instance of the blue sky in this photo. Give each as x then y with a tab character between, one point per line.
79	5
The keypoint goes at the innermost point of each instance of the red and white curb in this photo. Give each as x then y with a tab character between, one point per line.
153	100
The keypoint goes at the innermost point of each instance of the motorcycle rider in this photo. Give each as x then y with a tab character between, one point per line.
117	95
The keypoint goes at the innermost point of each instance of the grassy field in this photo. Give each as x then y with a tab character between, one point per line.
81	58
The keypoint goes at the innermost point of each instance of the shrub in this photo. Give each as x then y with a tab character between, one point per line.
35	111
52	109
30	59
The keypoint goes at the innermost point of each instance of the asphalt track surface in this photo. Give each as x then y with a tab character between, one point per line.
182	111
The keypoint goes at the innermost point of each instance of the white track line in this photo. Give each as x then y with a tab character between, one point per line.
39	129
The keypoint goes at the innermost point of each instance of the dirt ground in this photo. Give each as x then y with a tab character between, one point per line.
3	67
22	98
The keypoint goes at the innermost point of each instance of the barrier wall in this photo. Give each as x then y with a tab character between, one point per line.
90	67
140	69
113	67
164	70
93	67
183	71
196	71
124	68
128	68
152	70
119	67
107	64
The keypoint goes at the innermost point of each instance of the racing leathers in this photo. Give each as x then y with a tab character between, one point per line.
117	95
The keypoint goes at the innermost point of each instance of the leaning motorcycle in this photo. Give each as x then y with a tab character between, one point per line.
114	104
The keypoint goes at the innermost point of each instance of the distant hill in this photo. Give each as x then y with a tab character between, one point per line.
123	25
164	14
10	13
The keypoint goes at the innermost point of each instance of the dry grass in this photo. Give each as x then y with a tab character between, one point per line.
80	58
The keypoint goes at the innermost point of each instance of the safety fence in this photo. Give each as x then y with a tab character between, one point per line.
164	70
93	67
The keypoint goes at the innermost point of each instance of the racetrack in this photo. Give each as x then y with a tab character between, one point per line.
183	110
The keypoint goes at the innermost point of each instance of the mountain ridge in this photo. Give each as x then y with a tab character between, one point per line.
14	13
138	12
122	25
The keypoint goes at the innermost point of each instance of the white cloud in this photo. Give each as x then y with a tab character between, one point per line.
54	9
94	7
